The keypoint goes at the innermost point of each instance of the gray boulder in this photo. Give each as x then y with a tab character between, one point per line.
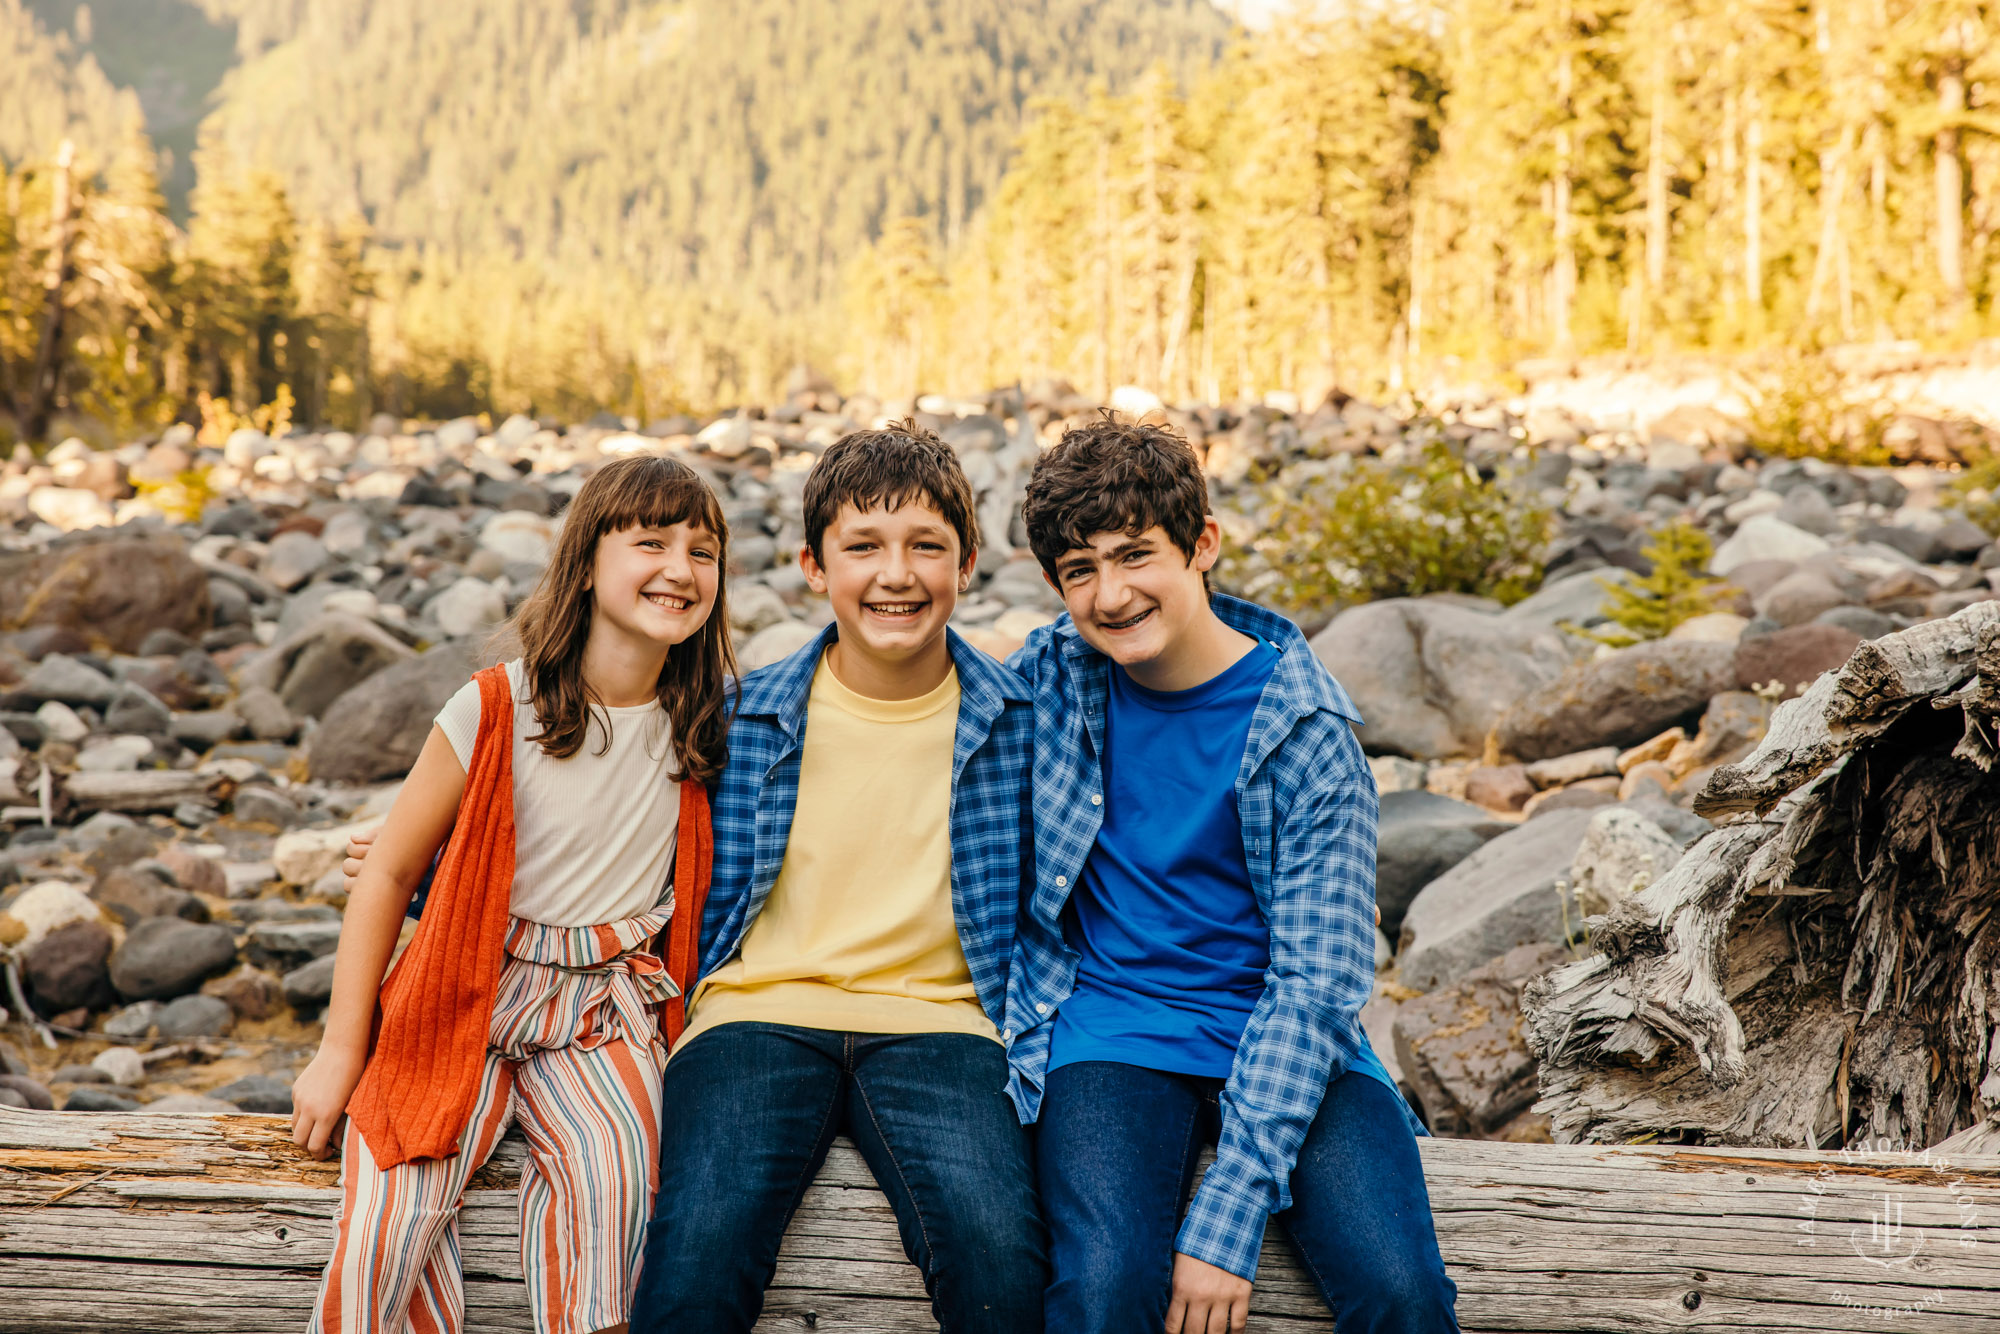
63	679
1461	1047
137	711
1501	896
1421	835
165	956
93	1098
374	731
195	1017
257	1093
310	987
1618	700
324	659
1430	678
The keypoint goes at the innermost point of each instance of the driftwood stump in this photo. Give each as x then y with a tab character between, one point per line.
151	1224
1823	969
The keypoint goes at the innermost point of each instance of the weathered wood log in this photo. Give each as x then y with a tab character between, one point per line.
158	1224
1825	968
142	790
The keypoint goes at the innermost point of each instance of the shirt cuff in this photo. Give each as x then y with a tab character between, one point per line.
1224	1228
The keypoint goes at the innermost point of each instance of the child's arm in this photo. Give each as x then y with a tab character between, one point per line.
420	820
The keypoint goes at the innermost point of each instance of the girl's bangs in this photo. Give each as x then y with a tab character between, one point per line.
661	494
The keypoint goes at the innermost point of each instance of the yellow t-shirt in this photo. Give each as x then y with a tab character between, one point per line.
858	934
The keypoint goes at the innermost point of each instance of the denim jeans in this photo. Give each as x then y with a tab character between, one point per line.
1117	1152
750	1111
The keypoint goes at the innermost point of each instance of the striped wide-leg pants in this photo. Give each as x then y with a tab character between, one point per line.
575	1056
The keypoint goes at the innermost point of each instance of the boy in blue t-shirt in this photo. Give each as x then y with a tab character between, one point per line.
1198	939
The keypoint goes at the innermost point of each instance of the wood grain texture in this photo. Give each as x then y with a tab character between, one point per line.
215	1225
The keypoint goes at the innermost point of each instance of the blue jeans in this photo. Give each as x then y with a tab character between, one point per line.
1118	1148
750	1111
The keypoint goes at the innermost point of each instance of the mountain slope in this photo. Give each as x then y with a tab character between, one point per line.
752	145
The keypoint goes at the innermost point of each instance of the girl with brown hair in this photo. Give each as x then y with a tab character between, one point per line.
535	983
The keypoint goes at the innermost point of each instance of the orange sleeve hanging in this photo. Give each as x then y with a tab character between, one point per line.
417	1092
694	863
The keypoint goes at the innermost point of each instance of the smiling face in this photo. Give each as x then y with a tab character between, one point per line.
655	586
1139	600
893	576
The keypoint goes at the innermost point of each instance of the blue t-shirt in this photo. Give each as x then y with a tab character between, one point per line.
1173	946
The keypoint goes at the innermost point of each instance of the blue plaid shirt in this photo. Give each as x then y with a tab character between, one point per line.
1307	802
759	792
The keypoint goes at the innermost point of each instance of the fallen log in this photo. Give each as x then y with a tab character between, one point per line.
154	1224
1822	969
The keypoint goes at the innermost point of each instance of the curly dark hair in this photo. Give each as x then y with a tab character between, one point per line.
1114	476
890	467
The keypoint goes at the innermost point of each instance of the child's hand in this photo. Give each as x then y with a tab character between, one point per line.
319	1098
357	852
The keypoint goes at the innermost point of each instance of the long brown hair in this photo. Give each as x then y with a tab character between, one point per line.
554	623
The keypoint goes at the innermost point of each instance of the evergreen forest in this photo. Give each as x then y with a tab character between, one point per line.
334	208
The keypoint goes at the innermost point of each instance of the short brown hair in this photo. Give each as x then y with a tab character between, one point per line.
890	468
1114	476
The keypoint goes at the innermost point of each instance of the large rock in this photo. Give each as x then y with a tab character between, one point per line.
1617	700
117	591
42	909
1802	595
323	660
1765	537
68	968
775	643
1430	678
1461	1050
374	731
310	987
1501	896
1622	851
1793	657
165	956
1421	835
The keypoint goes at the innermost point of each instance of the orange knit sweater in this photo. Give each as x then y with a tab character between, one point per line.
422	1078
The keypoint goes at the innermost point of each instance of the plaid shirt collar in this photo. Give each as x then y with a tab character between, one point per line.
780	691
1299	685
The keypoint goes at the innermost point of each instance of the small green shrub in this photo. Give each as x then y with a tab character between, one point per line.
1677	590
1978	493
1380	529
1801	407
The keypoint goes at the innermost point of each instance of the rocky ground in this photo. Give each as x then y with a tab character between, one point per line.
215	663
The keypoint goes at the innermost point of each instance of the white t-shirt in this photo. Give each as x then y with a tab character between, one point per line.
594	834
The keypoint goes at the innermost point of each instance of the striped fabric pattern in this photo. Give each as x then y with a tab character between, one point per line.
990	839
1308	807
575	1056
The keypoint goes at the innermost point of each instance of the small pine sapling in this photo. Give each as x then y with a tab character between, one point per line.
1677	590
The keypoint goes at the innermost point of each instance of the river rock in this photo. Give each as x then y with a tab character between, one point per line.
775	643
326	658
143	890
257	1093
195	1016
41	909
123	1064
94	1098
137	711
30	1093
67	968
1501	896
1794	656
293	558
1801	596
118	590
165	956
469	607
62	679
1622	851
1765	537
374	731
1421	835
1461	1047
1430	678
520	537
1617	700
310	987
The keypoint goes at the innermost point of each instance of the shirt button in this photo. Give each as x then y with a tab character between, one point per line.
1006	1035
1096	800
1062	882
1041	1009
